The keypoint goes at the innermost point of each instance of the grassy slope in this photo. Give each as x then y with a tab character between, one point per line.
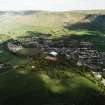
39	21
17	24
24	87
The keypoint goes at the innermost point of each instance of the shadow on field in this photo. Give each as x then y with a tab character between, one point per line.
95	27
97	40
28	88
95	23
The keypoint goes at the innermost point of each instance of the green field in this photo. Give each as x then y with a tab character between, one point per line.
20	22
24	87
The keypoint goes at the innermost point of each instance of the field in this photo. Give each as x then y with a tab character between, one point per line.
49	85
24	87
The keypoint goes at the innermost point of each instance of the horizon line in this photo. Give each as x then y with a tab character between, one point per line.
41	10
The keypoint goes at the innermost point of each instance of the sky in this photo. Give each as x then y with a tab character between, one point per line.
52	5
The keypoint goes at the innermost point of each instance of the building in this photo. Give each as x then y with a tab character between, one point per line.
52	56
14	46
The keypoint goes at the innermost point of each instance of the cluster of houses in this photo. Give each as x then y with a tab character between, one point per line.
84	53
88	56
14	46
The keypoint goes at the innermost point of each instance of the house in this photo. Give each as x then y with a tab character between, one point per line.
79	63
52	56
2	66
13	47
53	53
97	75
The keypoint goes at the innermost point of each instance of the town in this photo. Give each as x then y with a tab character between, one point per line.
83	53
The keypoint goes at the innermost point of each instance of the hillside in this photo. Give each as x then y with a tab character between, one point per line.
17	23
